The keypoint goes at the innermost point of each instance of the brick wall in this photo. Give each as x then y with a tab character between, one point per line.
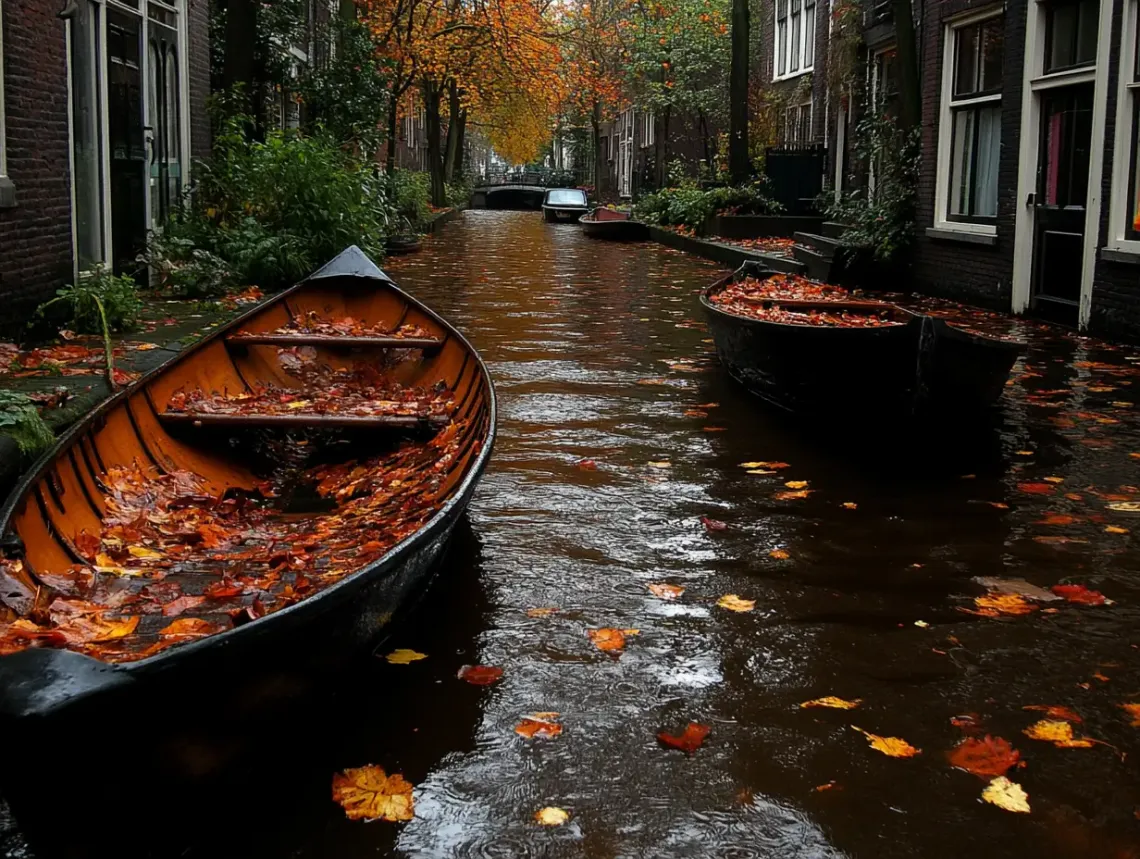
35	235
969	272
198	55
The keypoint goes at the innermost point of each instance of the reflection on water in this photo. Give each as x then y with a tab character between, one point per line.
598	353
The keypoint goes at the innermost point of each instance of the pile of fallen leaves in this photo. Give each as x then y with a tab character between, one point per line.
849	317
362	392
173	563
767	245
788	287
346	326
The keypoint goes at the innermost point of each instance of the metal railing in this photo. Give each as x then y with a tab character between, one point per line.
539	178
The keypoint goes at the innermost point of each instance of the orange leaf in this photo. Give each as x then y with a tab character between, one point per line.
480	675
793	495
1132	710
587	465
184	603
368	793
532	726
191	627
996	604
1079	594
1036	488
541	612
779	554
988	757
689	740
1058	733
609	639
891	746
1054	711
665	591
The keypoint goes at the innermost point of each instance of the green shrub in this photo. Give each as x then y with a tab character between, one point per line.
20	419
689	206
100	302
183	269
459	193
411	198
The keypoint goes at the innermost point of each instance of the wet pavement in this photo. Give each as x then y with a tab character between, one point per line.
599	353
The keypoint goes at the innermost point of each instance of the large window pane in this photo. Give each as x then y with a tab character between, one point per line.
992	53
966	60
962	162
809	33
794	46
1071	34
986	169
86	73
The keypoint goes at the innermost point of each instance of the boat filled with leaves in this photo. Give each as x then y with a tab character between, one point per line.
812	348
265	502
613	224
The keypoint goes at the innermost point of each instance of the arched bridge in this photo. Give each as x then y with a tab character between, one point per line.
518	189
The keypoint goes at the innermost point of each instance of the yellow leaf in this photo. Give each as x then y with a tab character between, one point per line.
403	656
1125	506
298	404
145	553
734	603
758	471
891	746
666	591
1114	529
551	816
779	554
994	604
849	505
661	464
541	612
1053	479
796	484
1006	794
751	465
793	495
368	793
1023	452
833	702
1058	733
1132	710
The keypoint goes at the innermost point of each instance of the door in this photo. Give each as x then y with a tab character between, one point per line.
1059	202
164	100
625	156
126	139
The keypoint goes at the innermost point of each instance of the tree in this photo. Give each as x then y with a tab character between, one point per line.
738	163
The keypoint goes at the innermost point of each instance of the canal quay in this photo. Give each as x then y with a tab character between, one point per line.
893	640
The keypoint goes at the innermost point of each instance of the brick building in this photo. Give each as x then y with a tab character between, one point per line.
102	108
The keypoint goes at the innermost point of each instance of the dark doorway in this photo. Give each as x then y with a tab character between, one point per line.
165	95
127	140
1059	202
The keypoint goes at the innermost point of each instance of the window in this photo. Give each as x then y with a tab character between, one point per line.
795	125
969	143
6	195
648	129
1071	34
795	37
87	133
1124	228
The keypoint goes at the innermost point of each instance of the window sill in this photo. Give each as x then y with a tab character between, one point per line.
1126	257
791	76
967	238
7	193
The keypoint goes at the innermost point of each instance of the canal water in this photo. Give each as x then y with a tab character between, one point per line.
863	589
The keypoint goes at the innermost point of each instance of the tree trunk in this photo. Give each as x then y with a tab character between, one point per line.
432	96
238	62
457	167
599	160
347	10
706	144
910	103
738	162
453	132
393	105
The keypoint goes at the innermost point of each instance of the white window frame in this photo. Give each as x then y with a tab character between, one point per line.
648	129
946	123
791	38
1127	95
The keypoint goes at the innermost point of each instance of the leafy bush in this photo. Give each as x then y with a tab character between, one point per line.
411	197
20	419
459	193
271	210
689	206
100	302
881	221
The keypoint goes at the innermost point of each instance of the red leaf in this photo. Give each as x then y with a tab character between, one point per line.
713	524
1055	711
1079	594
88	545
988	757
223	589
1036	488
690	739
480	675
183	603
587	465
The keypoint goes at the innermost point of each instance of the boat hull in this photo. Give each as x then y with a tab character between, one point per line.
562	214
615	229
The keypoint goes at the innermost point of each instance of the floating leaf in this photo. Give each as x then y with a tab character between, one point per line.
986	757
1125	506
833	702
997	604
891	746
538	725
587	465
404	656
1016	586
1054	711
368	793
734	603
1132	710
849	505
609	639
751	465
541	612
480	675
1058	519
796	484
793	495
779	554
664	463
1057	732
689	740
1079	594
1036	488
1007	795
551	816
713	524
665	591
1115	529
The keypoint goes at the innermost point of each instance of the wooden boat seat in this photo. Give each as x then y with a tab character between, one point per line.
428	344
302	421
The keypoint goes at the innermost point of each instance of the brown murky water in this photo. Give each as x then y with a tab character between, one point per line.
598	353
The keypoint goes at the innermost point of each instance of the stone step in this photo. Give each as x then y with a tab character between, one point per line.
824	245
833	229
816	265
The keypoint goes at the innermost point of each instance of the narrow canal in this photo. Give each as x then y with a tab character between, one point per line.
864	588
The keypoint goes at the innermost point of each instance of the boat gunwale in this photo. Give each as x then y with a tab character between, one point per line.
460	493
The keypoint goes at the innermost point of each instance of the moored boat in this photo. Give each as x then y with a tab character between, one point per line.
614	225
814	349
408	244
222	533
564	205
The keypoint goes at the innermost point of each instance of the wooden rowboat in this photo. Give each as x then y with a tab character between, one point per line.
397	245
915	366
602	223
219	532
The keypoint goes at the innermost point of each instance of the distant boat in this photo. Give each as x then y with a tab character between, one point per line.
564	204
223	533
397	245
867	360
611	224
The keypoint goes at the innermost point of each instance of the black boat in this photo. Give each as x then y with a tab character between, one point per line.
603	223
913	366
105	674
396	245
564	204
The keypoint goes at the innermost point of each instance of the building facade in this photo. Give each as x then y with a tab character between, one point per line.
102	109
